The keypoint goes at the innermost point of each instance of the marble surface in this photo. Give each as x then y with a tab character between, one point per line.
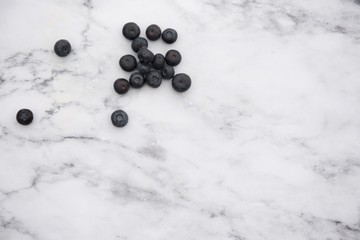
265	144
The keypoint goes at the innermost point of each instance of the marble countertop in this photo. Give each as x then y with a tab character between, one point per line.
264	145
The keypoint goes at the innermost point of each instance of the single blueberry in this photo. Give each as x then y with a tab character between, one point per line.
131	30
154	79
158	62
145	56
121	86
181	82
139	43
173	57
137	80
24	116
167	72
143	68
153	32
127	62
119	118
169	35
62	48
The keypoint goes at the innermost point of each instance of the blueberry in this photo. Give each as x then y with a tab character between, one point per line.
169	35
137	80
167	72
145	56
24	116
131	30
143	68
121	86
173	57
158	62
128	62
62	48
181	82
153	32
139	43
119	118
154	79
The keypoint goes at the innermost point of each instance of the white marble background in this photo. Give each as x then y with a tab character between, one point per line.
265	144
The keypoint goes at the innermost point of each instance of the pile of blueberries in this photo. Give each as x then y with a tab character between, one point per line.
151	69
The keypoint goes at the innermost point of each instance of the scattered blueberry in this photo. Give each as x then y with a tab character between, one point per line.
137	80
154	79
62	48
139	43
131	30
119	118
121	86
24	116
169	35
181	82
153	32
158	62
173	57
143	68
167	72
145	56
128	62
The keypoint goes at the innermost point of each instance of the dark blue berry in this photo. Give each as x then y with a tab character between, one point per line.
145	56
158	62
181	82
62	48
131	30
154	79
143	68
167	72
121	86
139	43
173	57
153	32
169	35
137	80
119	118
24	116
127	63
